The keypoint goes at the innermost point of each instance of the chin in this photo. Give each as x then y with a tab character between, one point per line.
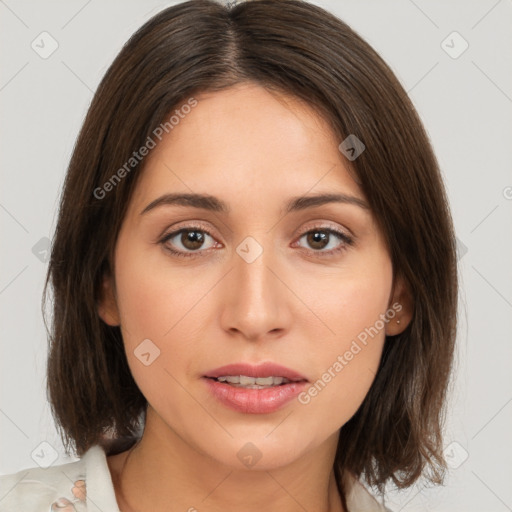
258	452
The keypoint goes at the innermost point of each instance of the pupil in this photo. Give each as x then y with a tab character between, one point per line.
192	239
318	237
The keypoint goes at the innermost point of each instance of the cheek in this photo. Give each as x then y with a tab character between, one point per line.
154	298
353	298
155	304
347	359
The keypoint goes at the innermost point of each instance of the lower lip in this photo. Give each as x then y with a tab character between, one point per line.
254	401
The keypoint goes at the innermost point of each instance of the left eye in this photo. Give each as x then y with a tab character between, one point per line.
320	239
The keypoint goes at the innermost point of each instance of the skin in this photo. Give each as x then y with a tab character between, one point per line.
291	305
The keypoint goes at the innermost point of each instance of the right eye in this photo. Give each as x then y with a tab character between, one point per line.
191	239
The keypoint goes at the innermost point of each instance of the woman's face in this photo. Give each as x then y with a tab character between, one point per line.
253	283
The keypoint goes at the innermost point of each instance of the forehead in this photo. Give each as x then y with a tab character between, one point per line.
249	144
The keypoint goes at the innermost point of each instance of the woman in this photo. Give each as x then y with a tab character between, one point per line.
253	272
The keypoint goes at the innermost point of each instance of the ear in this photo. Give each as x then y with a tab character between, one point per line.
401	302
107	304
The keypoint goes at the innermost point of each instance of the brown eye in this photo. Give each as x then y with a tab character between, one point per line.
187	241
192	239
319	239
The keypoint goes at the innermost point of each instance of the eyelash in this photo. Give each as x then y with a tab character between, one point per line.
347	241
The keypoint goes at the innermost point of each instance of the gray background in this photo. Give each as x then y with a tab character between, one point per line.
466	105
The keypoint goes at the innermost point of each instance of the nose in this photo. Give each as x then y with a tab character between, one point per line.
255	302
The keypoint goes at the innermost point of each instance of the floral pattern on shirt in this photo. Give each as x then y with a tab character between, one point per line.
77	504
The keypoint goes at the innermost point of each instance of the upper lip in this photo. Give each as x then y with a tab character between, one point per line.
261	370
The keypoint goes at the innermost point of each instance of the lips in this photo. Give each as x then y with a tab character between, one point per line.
257	371
286	385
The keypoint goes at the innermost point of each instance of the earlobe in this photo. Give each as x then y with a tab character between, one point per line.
107	305
401	303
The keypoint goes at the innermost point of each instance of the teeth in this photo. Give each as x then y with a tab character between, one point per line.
253	382
247	381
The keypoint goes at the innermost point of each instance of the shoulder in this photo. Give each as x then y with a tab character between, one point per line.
359	499
39	489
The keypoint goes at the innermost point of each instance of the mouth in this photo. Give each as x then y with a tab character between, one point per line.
255	376
260	389
244	381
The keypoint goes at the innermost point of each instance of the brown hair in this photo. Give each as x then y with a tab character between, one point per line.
299	49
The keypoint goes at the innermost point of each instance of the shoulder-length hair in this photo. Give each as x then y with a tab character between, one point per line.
295	48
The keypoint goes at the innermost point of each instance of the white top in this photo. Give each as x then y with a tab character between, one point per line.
86	485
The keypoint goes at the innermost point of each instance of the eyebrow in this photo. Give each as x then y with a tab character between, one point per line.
214	204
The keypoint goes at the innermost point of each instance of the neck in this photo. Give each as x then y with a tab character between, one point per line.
162	472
